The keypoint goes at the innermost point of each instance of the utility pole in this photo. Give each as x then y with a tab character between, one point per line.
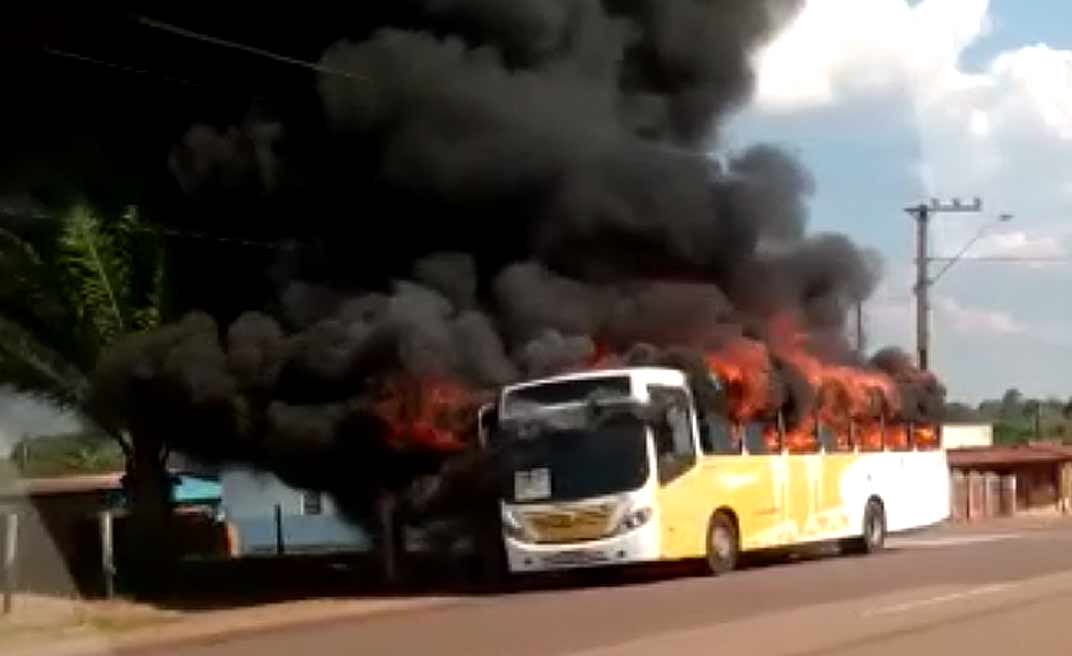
922	214
860	328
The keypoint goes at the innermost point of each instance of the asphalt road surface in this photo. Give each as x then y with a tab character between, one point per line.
999	590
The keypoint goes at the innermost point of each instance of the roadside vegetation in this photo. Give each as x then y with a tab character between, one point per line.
1018	419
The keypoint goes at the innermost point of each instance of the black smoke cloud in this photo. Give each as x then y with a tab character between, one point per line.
499	190
922	394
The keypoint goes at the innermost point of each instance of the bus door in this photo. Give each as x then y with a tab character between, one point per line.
804	463
832	517
764	504
681	502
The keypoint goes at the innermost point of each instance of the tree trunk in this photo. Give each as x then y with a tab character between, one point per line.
149	545
390	538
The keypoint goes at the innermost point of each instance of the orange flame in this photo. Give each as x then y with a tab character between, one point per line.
844	393
869	435
744	367
897	437
429	414
925	436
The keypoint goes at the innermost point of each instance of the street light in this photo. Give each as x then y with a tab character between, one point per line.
949	262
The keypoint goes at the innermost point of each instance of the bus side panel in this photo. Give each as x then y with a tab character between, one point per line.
754	488
819	508
913	488
779	501
685	504
759	489
783	500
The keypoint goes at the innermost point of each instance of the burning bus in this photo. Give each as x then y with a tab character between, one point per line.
624	466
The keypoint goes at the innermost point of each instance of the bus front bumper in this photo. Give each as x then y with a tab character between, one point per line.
636	546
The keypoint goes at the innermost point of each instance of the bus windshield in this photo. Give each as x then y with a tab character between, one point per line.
567	464
532	399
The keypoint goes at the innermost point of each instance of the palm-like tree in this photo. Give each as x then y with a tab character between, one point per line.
66	296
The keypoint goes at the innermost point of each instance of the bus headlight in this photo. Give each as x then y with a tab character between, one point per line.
513	527
633	520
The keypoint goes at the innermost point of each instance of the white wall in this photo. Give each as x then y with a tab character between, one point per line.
248	502
957	436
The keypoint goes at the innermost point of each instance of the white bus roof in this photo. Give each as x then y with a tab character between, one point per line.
643	375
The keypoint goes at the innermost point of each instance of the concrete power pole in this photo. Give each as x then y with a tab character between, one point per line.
922	214
860	346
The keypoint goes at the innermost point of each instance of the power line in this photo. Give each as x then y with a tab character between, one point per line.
280	243
1004	258
86	59
253	50
231	241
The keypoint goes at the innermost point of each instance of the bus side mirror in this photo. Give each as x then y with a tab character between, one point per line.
487	417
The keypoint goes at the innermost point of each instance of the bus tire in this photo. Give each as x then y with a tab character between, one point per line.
873	537
723	544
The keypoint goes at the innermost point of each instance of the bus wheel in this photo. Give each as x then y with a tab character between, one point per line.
874	531
723	545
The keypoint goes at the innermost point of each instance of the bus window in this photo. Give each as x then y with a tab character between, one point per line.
925	437
836	437
761	439
828	439
897	437
674	447
869	435
717	436
802	439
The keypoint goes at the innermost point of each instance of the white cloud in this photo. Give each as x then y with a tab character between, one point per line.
975	128
1022	244
1001	130
1043	78
980	124
891	320
976	321
836	48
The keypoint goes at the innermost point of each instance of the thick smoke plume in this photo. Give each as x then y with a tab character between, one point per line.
545	173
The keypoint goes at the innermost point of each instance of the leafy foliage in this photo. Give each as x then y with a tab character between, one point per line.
66	296
58	455
113	280
1018	419
30	367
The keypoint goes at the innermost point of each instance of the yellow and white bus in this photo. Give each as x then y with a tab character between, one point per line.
620	466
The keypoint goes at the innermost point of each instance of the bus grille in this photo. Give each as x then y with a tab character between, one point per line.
570	525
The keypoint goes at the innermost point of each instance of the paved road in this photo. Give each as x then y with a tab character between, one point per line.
1000	590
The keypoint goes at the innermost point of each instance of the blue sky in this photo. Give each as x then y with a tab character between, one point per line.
1015	23
890	102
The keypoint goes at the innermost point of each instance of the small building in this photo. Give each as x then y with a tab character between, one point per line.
1004	480
267	516
963	435
59	537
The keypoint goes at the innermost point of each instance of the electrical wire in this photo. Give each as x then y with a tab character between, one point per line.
252	50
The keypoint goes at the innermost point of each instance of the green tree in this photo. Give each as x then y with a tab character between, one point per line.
1032	411
1012	404
65	295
